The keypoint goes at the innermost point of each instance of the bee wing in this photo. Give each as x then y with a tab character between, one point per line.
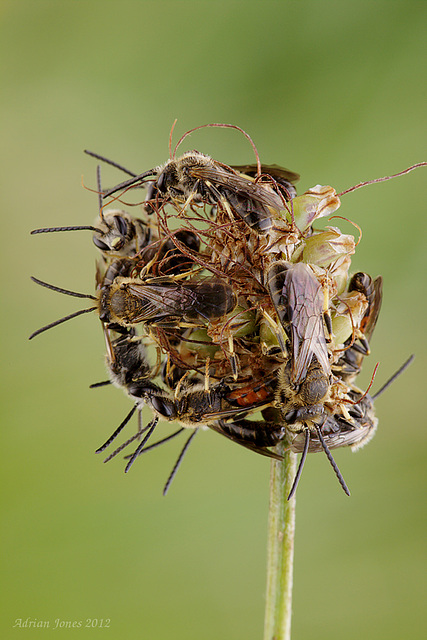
209	298
274	170
158	301
333	440
347	435
369	322
305	307
238	184
235	412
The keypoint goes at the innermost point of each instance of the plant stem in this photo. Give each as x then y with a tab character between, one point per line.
280	553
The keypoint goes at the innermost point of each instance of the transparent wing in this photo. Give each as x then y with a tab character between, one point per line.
305	308
237	183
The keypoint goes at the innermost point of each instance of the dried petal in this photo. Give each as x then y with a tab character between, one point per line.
325	247
317	202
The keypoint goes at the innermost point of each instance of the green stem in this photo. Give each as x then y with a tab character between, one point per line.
280	554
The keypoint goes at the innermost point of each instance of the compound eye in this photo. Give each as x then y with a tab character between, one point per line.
122	225
166	179
163	406
99	244
161	182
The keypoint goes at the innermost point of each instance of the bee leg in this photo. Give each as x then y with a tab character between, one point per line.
186	204
158	365
233	358
328	325
279	332
180	383
326	314
208	361
363	347
166	372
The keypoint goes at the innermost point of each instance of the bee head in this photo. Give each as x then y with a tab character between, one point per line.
168	179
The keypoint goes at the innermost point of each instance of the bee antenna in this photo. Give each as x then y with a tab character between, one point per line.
130	182
124	445
159	442
135	436
60	321
96	385
178	462
394	376
52	229
74	294
301	465
67	292
151	426
332	461
117	431
110	162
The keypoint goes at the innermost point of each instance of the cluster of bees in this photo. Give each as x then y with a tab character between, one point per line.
223	307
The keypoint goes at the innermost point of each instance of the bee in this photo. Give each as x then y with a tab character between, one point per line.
127	359
194	407
162	301
116	234
304	381
350	363
299	302
121	235
128	368
165	301
196	178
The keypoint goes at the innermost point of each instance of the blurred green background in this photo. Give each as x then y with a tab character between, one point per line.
333	90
